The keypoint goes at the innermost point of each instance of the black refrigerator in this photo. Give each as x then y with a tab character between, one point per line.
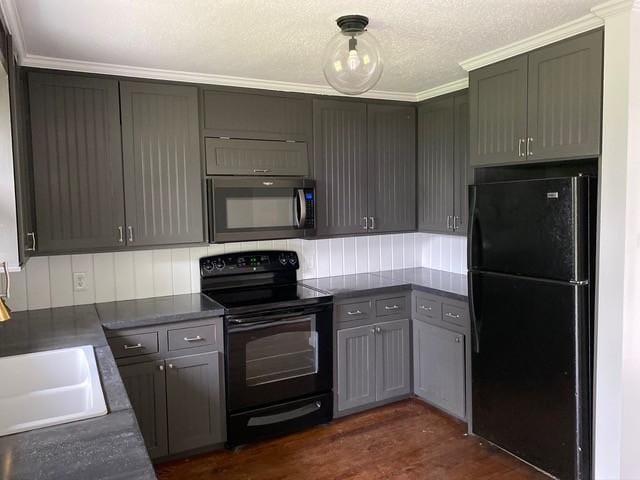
531	262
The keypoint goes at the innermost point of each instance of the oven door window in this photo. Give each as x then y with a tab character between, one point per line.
283	355
242	209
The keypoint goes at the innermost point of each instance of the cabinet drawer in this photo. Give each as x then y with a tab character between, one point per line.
134	344
391	306
427	307
349	312
456	315
200	336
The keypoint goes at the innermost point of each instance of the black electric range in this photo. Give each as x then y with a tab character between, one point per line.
278	344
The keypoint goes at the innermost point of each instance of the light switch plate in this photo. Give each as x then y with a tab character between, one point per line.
79	281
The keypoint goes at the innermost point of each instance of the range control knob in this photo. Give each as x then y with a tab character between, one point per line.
219	264
292	259
282	259
207	266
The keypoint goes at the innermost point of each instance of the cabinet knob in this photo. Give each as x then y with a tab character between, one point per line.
161	367
457	339
378	330
373	330
170	365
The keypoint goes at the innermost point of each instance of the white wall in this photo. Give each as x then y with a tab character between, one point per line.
48	281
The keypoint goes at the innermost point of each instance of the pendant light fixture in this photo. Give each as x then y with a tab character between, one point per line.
352	60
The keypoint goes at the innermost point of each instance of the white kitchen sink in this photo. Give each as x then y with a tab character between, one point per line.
49	388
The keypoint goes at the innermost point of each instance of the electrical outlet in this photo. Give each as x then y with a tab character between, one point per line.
79	281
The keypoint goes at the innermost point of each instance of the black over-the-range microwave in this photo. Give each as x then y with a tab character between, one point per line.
260	208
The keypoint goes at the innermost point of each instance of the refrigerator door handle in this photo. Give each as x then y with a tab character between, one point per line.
475	335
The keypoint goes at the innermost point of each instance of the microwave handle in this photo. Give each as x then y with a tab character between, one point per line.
302	218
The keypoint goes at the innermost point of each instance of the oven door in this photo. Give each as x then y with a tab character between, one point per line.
258	208
278	356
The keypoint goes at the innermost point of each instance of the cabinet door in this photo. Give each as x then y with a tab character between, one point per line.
145	385
162	164
461	162
393	359
392	167
356	367
340	166
77	162
271	116
565	98
435	166
498	112
194	403
439	367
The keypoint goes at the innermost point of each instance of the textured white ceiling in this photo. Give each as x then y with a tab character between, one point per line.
283	40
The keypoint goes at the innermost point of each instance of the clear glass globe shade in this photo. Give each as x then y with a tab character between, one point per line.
352	67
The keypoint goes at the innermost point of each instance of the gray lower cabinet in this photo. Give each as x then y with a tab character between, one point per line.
439	367
193	401
373	363
162	164
77	163
145	385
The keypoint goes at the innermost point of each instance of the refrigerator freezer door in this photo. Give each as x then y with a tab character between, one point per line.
534	228
529	392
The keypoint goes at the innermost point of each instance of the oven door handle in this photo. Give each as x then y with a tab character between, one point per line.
272	319
239	325
302	208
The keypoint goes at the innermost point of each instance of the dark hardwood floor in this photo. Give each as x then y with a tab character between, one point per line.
405	440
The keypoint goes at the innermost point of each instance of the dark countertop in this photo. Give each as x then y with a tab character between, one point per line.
106	447
439	282
158	310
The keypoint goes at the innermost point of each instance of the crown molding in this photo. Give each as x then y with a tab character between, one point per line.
613	7
202	78
454	86
11	16
569	29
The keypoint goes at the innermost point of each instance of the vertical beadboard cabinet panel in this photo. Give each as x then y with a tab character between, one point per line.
461	162
498	112
77	162
193	401
392	167
393	360
565	98
162	164
356	367
340	166
435	165
145	385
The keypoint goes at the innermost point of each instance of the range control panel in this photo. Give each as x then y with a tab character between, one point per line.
248	262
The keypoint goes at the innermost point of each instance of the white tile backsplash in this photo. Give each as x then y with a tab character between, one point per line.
48	281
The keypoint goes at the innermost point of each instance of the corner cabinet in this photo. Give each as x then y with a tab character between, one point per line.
443	164
162	164
364	167
544	105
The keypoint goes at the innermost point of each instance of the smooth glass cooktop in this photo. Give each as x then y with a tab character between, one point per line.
264	295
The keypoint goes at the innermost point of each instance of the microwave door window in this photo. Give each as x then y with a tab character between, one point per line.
246	209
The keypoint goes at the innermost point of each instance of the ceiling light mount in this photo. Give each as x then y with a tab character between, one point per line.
352	23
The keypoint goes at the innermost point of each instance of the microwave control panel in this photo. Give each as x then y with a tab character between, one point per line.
310	207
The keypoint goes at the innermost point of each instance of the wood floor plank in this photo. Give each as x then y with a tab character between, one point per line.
407	440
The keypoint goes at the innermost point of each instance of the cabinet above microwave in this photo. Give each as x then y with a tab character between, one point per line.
256	157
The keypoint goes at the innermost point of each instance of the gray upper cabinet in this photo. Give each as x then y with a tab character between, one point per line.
435	165
498	111
145	385
257	116
565	99
77	162
392	167
439	367
256	157
393	359
162	164
193	401
544	105
340	166
443	164
356	367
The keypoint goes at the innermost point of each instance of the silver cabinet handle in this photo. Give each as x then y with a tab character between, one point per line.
32	236
529	142
197	338
130	234
372	221
391	307
456	220
373	330
132	347
356	312
120	234
261	170
366	222
424	307
520	152
449	227
161	368
378	330
452	315
170	365
457	339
